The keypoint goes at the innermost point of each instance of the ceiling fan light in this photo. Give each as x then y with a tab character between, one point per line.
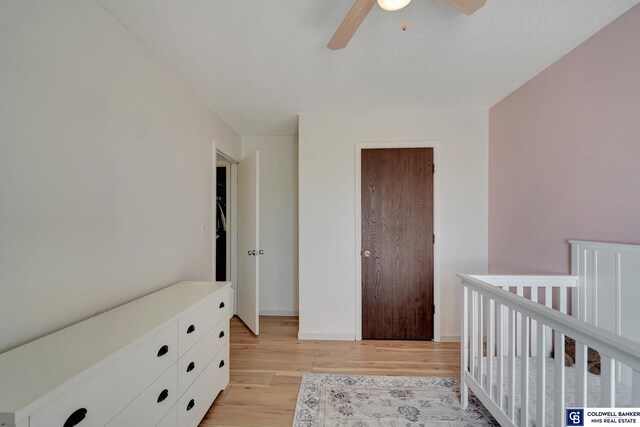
392	5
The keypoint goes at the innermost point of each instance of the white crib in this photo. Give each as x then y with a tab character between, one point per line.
511	324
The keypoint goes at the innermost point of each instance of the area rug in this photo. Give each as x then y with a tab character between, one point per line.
368	401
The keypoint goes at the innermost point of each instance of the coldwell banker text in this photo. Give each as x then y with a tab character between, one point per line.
611	417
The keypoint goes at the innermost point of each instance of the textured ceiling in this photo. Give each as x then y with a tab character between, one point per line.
260	63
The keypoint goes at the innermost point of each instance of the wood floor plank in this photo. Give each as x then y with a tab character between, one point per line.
400	357
287	379
248	416
271	365
275	395
262	371
257	378
414	345
382	368
266	371
268	356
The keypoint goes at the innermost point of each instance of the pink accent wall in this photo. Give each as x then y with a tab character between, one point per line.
564	155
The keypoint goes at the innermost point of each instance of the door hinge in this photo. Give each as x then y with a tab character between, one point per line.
434	309
433	168
434	239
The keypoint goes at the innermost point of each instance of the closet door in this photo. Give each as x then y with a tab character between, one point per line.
248	241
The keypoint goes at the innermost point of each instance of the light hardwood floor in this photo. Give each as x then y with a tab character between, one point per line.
266	370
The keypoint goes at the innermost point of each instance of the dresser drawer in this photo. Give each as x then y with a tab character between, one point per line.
199	397
98	399
171	419
195	324
152	405
198	357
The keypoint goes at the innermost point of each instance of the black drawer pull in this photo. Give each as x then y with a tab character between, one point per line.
221	334
221	364
191	329
221	305
163	350
163	395
76	418
191	366
191	404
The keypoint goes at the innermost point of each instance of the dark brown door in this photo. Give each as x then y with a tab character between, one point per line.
397	243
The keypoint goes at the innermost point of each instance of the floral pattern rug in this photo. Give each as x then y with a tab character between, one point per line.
367	401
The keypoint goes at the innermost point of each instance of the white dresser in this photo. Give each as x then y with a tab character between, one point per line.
160	360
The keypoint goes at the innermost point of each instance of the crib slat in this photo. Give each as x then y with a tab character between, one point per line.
607	382
548	301
534	329
520	293
548	296
505	324
558	398
511	391
563	300
474	335
541	380
490	345
464	354
635	389
500	354
524	373
480	340
581	375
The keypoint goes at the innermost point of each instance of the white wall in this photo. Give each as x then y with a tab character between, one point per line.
278	222
229	142
327	208
105	168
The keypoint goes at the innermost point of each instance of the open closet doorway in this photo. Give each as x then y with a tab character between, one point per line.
223	219
236	245
225	264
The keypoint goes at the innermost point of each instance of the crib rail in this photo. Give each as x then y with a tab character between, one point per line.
506	325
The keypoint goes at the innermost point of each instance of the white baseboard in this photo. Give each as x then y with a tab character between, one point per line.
328	336
278	312
450	338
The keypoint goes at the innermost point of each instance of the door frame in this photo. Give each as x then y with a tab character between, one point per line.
435	145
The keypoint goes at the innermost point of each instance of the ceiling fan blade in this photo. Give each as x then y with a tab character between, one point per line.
350	24
466	6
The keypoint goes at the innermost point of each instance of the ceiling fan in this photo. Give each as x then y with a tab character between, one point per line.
361	8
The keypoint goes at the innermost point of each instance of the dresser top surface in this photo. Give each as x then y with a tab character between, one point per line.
29	372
